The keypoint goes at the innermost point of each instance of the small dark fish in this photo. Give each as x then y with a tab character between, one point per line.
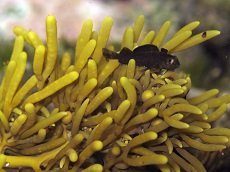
148	56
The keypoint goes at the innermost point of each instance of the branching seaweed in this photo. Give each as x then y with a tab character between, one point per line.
99	115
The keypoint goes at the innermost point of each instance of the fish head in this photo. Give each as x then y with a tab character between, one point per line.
169	62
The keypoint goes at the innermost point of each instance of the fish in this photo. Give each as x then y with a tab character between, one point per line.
148	56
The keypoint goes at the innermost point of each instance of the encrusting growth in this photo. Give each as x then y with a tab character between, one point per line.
96	114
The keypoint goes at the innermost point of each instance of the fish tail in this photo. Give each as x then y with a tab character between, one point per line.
110	54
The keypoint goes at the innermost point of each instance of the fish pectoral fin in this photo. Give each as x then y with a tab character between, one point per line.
110	54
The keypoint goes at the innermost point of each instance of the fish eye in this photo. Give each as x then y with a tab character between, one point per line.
170	61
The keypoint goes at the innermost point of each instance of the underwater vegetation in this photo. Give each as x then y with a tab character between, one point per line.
95	114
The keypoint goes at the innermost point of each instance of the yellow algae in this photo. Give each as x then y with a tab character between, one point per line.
197	39
34	39
177	40
18	48
148	38
102	38
14	83
95	114
39	57
158	40
128	38
19	31
86	53
138	27
52	88
189	27
17	124
83	38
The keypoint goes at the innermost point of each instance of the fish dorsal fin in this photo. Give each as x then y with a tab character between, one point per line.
164	51
148	48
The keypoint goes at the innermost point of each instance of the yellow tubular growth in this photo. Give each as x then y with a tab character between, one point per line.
6	80
72	144
39	56
131	96
197	39
128	39
218	113
203	97
72	154
138	140
182	108
218	132
201	146
17	124
161	34
189	27
34	39
83	38
17	111
45	112
147	94
52	88
107	70
102	127
68	118
177	40
65	62
15	81
94	168
43	147
94	35
182	163
85	91
172	92
77	117
138	27
19	31
98	99
41	136
42	124
146	160
73	115
153	100
86	53
216	102
30	83
142	118
175	123
194	161
2	160
121	110
100	130
4	121
18	48
102	38
212	139
166	87
131	69
92	69
87	152
148	38
52	47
